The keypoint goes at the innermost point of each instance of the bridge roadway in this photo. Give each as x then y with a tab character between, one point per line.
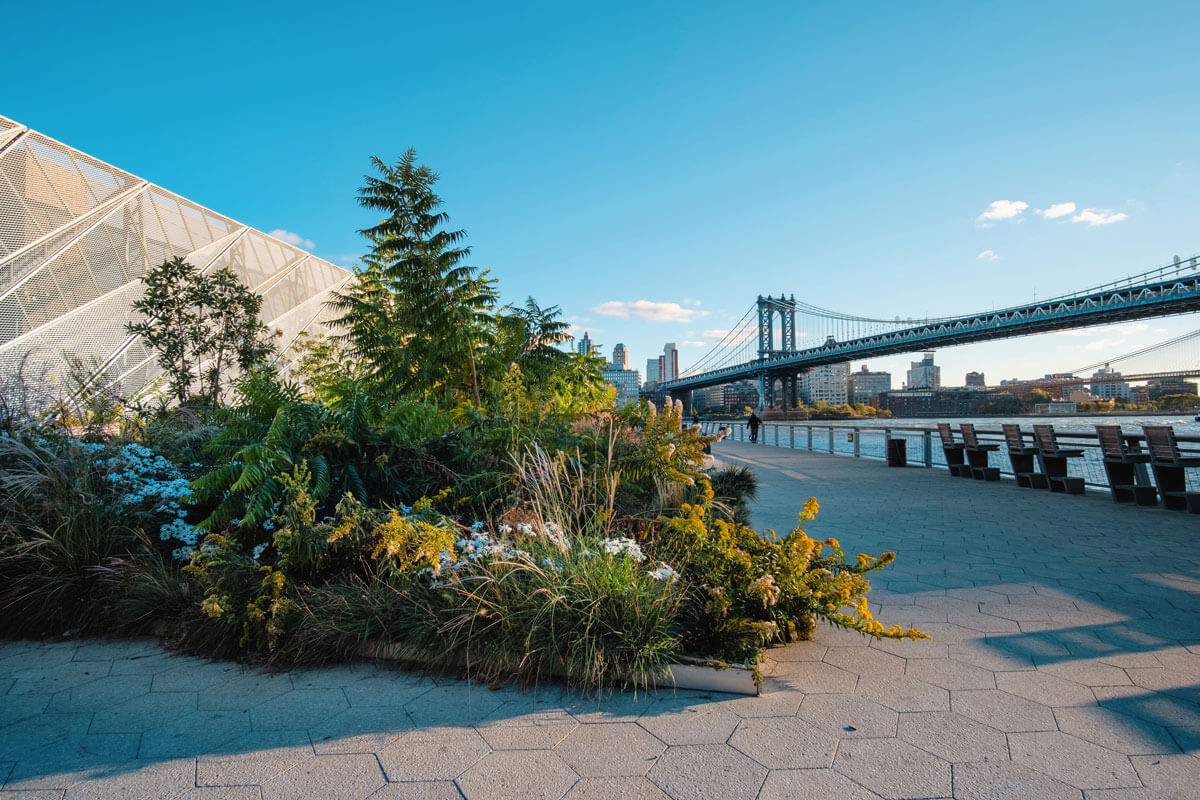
1065	659
1177	295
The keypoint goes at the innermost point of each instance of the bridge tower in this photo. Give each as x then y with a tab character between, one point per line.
768	307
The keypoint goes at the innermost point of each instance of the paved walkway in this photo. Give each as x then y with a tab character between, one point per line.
1066	664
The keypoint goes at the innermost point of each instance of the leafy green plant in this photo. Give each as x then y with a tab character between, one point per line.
201	325
748	590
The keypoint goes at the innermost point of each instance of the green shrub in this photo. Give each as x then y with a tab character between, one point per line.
57	531
747	590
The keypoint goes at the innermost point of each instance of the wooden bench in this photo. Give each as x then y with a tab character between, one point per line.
1023	459
977	455
1169	465
1054	461
954	452
1121	464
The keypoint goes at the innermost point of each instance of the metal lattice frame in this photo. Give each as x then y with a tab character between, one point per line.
76	237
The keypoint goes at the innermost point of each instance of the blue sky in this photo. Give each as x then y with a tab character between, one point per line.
623	157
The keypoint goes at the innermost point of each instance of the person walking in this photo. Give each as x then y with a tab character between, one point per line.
753	423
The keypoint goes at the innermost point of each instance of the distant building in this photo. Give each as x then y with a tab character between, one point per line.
739	395
1078	394
865	384
975	379
709	400
620	356
1165	386
1055	408
933	402
627	383
828	383
1109	390
585	346
652	372
924	374
668	363
1139	395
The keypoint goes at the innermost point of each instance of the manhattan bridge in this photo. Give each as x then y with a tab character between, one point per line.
765	345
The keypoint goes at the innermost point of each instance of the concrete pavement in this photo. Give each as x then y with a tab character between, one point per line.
1066	663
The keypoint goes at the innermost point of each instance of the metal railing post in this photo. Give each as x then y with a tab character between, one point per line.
792	437
775	431
830	440
857	443
927	444
809	437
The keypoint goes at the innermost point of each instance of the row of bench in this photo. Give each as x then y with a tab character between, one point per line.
969	459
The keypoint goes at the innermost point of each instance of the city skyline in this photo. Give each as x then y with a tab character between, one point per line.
883	185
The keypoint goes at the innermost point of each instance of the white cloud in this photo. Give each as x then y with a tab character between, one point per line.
294	239
1057	210
343	258
692	344
1099	216
648	310
1002	209
690	302
1123	330
988	255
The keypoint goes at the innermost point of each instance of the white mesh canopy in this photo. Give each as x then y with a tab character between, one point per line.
76	236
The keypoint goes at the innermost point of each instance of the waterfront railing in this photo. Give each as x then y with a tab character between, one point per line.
923	447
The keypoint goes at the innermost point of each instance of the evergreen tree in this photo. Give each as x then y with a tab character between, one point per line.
416	315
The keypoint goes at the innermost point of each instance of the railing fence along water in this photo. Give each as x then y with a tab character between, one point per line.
870	442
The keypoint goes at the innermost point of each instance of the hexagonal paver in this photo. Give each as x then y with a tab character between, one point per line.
705	771
893	769
815	677
17	707
460	703
58	677
361	729
100	694
1041	687
848	716
784	743
437	754
334	777
530	736
954	737
1169	776
246	690
950	674
620	748
694	725
798	651
608	708
193	734
1003	711
1087	672
386	689
865	661
1116	731
802	784
138	779
419	790
615	789
145	711
1081	764
192	674
1006	780
254	758
904	694
517	774
299	708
